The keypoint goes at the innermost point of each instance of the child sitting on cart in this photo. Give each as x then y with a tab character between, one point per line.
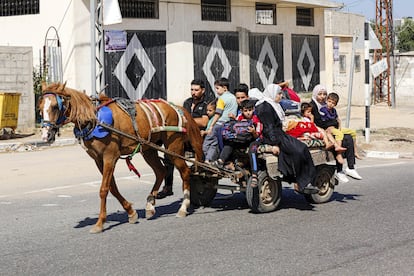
241	132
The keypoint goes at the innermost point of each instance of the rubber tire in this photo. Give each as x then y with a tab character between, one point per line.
325	181
202	190
266	197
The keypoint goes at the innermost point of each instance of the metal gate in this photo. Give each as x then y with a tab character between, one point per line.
216	55
139	70
305	62
266	59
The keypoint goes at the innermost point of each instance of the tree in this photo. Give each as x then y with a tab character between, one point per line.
405	36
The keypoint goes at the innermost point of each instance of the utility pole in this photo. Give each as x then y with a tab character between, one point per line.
384	84
97	47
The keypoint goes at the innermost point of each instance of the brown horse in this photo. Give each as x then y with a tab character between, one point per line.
157	122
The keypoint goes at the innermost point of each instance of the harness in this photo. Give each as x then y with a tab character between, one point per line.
61	120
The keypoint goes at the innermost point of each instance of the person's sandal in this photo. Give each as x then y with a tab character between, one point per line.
164	193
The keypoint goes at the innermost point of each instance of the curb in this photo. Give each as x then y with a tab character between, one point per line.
32	145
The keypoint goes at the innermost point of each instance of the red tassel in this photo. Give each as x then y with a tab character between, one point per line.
131	166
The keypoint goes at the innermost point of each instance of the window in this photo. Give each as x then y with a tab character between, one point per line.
139	8
215	10
357	63
265	14
19	7
342	64
304	17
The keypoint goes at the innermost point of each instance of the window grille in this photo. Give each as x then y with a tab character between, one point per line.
357	63
215	10
342	64
18	7
139	8
304	17
265	14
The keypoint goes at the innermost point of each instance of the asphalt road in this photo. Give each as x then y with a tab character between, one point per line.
49	201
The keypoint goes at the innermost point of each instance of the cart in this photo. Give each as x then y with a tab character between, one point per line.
267	196
205	178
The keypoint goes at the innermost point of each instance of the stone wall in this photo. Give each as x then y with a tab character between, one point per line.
16	71
404	79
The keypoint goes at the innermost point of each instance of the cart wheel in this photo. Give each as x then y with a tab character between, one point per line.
267	196
202	190
325	181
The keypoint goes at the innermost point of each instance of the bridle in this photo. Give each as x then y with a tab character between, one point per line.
61	120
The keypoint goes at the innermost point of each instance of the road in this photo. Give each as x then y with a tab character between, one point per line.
49	201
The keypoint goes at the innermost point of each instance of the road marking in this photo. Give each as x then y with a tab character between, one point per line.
5	202
50	205
94	184
381	165
64	196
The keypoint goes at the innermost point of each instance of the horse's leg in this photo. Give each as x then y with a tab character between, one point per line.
185	172
103	193
132	214
153	160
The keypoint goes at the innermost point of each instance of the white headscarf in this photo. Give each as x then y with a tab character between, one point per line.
268	96
318	88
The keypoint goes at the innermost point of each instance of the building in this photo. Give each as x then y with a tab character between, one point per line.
160	46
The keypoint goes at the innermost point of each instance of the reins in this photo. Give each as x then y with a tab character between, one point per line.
142	141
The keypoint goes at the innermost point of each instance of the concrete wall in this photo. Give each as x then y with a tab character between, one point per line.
404	79
16	67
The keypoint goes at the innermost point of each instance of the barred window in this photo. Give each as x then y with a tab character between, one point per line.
304	17
18	7
342	64
215	10
357	63
139	8
265	14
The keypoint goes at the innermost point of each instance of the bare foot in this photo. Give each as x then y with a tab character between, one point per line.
339	158
357	156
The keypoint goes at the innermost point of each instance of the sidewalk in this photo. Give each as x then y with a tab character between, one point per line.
391	130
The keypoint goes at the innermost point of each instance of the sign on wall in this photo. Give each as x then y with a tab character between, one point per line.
266	59
216	55
139	71
305	62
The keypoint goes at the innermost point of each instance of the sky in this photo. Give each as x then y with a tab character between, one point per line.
401	8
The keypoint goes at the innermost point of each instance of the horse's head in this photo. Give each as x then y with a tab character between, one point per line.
52	109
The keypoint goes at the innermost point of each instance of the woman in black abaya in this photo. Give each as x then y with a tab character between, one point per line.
295	161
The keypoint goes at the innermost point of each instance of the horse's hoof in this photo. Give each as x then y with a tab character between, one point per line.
133	218
181	214
150	213
96	230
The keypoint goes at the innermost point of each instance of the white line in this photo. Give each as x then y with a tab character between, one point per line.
91	183
382	165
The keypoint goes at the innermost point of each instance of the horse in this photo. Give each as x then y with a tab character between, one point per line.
155	122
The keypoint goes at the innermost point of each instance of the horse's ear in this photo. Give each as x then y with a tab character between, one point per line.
63	86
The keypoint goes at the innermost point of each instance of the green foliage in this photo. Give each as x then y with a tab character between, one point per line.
37	81
405	36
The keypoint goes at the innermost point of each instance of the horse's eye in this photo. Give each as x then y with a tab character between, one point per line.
55	107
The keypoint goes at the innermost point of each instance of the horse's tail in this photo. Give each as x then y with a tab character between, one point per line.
194	136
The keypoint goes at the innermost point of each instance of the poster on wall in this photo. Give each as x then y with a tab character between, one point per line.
115	40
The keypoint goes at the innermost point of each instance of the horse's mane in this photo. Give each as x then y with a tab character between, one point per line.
80	106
